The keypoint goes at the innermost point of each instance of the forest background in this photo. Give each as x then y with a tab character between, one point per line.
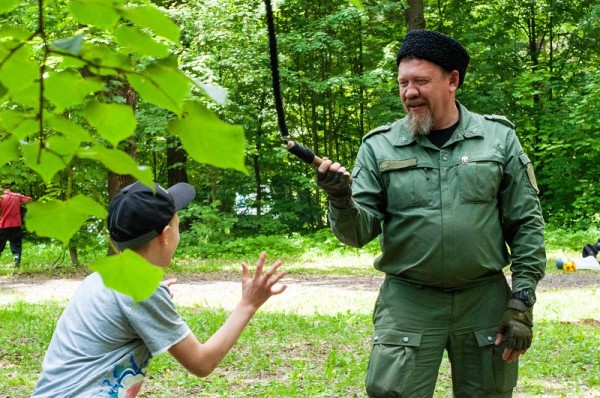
95	94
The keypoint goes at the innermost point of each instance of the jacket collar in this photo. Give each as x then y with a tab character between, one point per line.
468	127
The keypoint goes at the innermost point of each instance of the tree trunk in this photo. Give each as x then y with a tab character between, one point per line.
73	255
118	181
415	17
176	161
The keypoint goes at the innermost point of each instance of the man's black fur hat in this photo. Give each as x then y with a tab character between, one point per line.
437	48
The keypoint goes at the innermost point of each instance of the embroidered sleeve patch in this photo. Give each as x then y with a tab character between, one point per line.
530	174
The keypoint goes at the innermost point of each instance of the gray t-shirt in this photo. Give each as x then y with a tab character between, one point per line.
103	343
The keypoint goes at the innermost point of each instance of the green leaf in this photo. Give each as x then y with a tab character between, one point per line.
17	32
54	156
201	132
19	124
216	93
67	88
7	5
162	84
20	70
9	150
357	4
114	122
101	13
28	95
66	127
75	63
72	45
129	273
117	161
63	147
104	61
154	19
44	217
138	42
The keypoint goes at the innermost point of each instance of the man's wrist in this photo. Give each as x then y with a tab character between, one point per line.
341	203
519	305
527	296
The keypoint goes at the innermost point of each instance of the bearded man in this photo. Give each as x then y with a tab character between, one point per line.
453	199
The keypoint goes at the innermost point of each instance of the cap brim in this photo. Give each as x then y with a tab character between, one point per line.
182	194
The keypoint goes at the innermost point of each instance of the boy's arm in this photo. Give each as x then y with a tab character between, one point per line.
202	358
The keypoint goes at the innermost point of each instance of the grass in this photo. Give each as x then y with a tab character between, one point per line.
284	354
302	351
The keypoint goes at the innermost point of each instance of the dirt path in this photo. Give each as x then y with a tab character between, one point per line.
303	295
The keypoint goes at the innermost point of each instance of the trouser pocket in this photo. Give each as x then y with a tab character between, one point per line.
392	363
498	375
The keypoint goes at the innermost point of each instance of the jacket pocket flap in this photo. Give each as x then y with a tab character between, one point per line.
486	336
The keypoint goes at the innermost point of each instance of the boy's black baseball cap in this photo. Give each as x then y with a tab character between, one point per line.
136	215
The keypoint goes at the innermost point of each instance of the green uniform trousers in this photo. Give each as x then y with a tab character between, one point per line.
413	325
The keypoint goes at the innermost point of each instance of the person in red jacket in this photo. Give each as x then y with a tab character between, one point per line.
10	222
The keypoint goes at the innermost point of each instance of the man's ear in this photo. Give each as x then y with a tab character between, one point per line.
454	79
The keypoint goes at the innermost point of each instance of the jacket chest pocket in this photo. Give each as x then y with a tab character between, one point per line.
407	185
479	178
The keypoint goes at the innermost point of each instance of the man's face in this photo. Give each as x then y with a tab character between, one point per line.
427	92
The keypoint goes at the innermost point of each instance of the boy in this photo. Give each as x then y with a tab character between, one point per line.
103	343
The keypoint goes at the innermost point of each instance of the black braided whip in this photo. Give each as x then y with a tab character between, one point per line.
293	147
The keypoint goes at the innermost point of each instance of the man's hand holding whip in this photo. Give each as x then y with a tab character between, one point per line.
336	181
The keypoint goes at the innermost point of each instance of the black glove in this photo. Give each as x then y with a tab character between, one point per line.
516	325
337	186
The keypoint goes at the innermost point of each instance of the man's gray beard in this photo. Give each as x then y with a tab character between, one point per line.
420	125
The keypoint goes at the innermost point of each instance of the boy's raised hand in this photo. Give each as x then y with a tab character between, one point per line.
257	289
202	358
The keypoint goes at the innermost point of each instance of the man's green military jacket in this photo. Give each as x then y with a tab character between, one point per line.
445	216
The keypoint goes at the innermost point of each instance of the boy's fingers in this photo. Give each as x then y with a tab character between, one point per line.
170	281
245	271
277	278
278	290
259	265
272	270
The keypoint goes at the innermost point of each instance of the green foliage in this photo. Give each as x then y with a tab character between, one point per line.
213	134
206	224
571	240
49	116
195	67
70	215
293	246
127	272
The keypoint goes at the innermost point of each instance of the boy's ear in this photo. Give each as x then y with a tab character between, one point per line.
164	235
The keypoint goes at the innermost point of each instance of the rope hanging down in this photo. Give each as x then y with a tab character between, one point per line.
293	147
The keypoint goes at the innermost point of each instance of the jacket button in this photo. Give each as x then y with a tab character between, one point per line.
405	339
